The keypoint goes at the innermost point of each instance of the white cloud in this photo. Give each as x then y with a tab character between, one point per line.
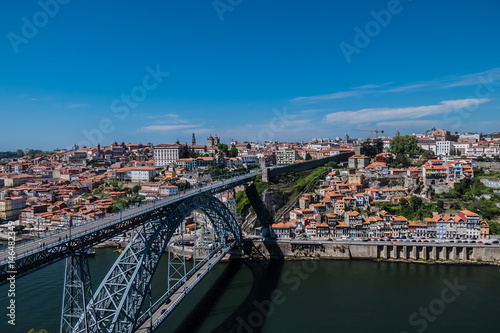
199	131
490	75
163	128
408	87
373	86
337	95
411	124
393	114
76	106
311	111
167	115
485	77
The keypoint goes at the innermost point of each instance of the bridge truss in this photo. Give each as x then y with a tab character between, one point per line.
116	304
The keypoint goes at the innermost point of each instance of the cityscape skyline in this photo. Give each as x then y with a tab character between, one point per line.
328	69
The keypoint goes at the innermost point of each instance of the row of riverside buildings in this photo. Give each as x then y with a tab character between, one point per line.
465	225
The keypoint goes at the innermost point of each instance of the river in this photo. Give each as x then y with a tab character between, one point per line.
297	296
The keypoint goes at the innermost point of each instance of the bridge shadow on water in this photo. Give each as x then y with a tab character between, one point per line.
266	276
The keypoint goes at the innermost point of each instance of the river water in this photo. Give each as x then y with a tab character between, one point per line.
296	296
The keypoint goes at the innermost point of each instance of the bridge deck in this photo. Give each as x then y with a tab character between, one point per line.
62	241
179	292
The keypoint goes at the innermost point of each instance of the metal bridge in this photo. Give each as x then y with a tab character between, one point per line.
117	303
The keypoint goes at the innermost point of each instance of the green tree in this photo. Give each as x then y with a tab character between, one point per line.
308	157
406	145
402	161
233	152
415	201
136	189
428	155
371	149
224	148
19	228
184	152
403	201
495	228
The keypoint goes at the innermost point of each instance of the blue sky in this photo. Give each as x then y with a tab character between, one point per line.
241	69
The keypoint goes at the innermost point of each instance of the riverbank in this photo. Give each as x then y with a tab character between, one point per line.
429	253
4	236
421	253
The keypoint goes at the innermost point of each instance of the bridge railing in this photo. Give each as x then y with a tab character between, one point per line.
93	226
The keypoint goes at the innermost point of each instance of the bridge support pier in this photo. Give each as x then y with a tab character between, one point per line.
176	261
77	292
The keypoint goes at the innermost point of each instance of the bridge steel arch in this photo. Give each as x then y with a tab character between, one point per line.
115	306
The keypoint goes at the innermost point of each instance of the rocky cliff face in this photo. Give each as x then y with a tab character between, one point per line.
273	200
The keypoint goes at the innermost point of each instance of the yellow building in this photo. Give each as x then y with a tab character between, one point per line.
339	209
485	229
11	208
355	178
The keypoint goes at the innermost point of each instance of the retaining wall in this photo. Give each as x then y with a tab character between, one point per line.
269	173
332	250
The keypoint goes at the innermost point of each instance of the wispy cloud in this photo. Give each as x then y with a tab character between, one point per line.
76	106
394	114
311	111
164	128
327	97
488	76
200	131
373	86
167	115
410	124
409	87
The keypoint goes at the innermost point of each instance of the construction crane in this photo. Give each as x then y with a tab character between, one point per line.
375	130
